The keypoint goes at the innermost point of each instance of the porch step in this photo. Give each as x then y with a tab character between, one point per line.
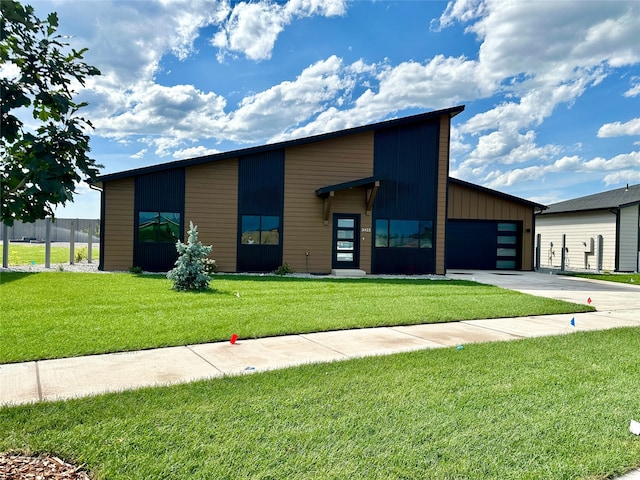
348	272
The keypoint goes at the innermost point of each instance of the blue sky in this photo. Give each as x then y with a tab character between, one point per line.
551	88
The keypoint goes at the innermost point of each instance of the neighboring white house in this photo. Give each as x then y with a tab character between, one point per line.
601	232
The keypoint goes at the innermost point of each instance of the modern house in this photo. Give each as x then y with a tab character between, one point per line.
376	198
600	231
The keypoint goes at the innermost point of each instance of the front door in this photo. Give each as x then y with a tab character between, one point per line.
346	241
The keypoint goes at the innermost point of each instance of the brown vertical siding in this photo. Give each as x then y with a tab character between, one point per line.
443	180
211	203
467	203
316	165
118	224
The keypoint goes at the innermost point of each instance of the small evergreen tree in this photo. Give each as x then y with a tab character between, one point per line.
190	273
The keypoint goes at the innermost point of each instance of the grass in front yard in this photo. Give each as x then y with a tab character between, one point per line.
630	278
553	407
60	314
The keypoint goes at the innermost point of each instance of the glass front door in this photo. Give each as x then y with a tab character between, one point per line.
346	241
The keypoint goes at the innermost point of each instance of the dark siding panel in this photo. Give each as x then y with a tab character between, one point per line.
260	192
407	160
404	261
161	191
386	159
261	184
158	192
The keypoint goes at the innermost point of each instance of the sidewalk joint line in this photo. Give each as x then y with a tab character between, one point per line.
38	381
493	329
200	356
418	337
302	335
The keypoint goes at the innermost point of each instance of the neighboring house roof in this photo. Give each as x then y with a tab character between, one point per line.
452	112
497	193
600	201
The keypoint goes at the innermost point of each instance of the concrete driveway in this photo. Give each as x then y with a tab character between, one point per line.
605	296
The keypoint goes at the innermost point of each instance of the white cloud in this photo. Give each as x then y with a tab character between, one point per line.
622	177
460	10
540	55
253	28
617	129
534	107
626	162
289	103
306	8
553	38
634	91
160	110
439	83
128	39
193	152
175	115
139	155
498	179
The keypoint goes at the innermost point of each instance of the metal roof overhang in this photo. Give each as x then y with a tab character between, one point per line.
327	193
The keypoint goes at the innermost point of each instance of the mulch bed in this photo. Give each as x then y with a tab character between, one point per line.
21	467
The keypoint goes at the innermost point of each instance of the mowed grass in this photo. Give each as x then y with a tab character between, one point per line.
60	314
35	254
544	408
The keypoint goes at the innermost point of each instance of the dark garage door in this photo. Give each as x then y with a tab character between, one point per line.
484	245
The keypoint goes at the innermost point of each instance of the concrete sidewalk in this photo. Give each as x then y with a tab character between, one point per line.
50	380
66	378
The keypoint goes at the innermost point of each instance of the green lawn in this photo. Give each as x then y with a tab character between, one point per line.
35	254
61	314
543	408
631	278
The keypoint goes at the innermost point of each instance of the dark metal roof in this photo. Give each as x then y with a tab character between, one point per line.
452	112
497	193
361	182
599	201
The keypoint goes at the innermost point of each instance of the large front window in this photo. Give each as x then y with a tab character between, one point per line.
260	230
403	233
158	227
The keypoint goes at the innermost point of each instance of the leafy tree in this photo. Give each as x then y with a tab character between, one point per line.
41	164
190	272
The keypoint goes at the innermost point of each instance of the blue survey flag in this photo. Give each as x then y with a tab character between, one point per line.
573	321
